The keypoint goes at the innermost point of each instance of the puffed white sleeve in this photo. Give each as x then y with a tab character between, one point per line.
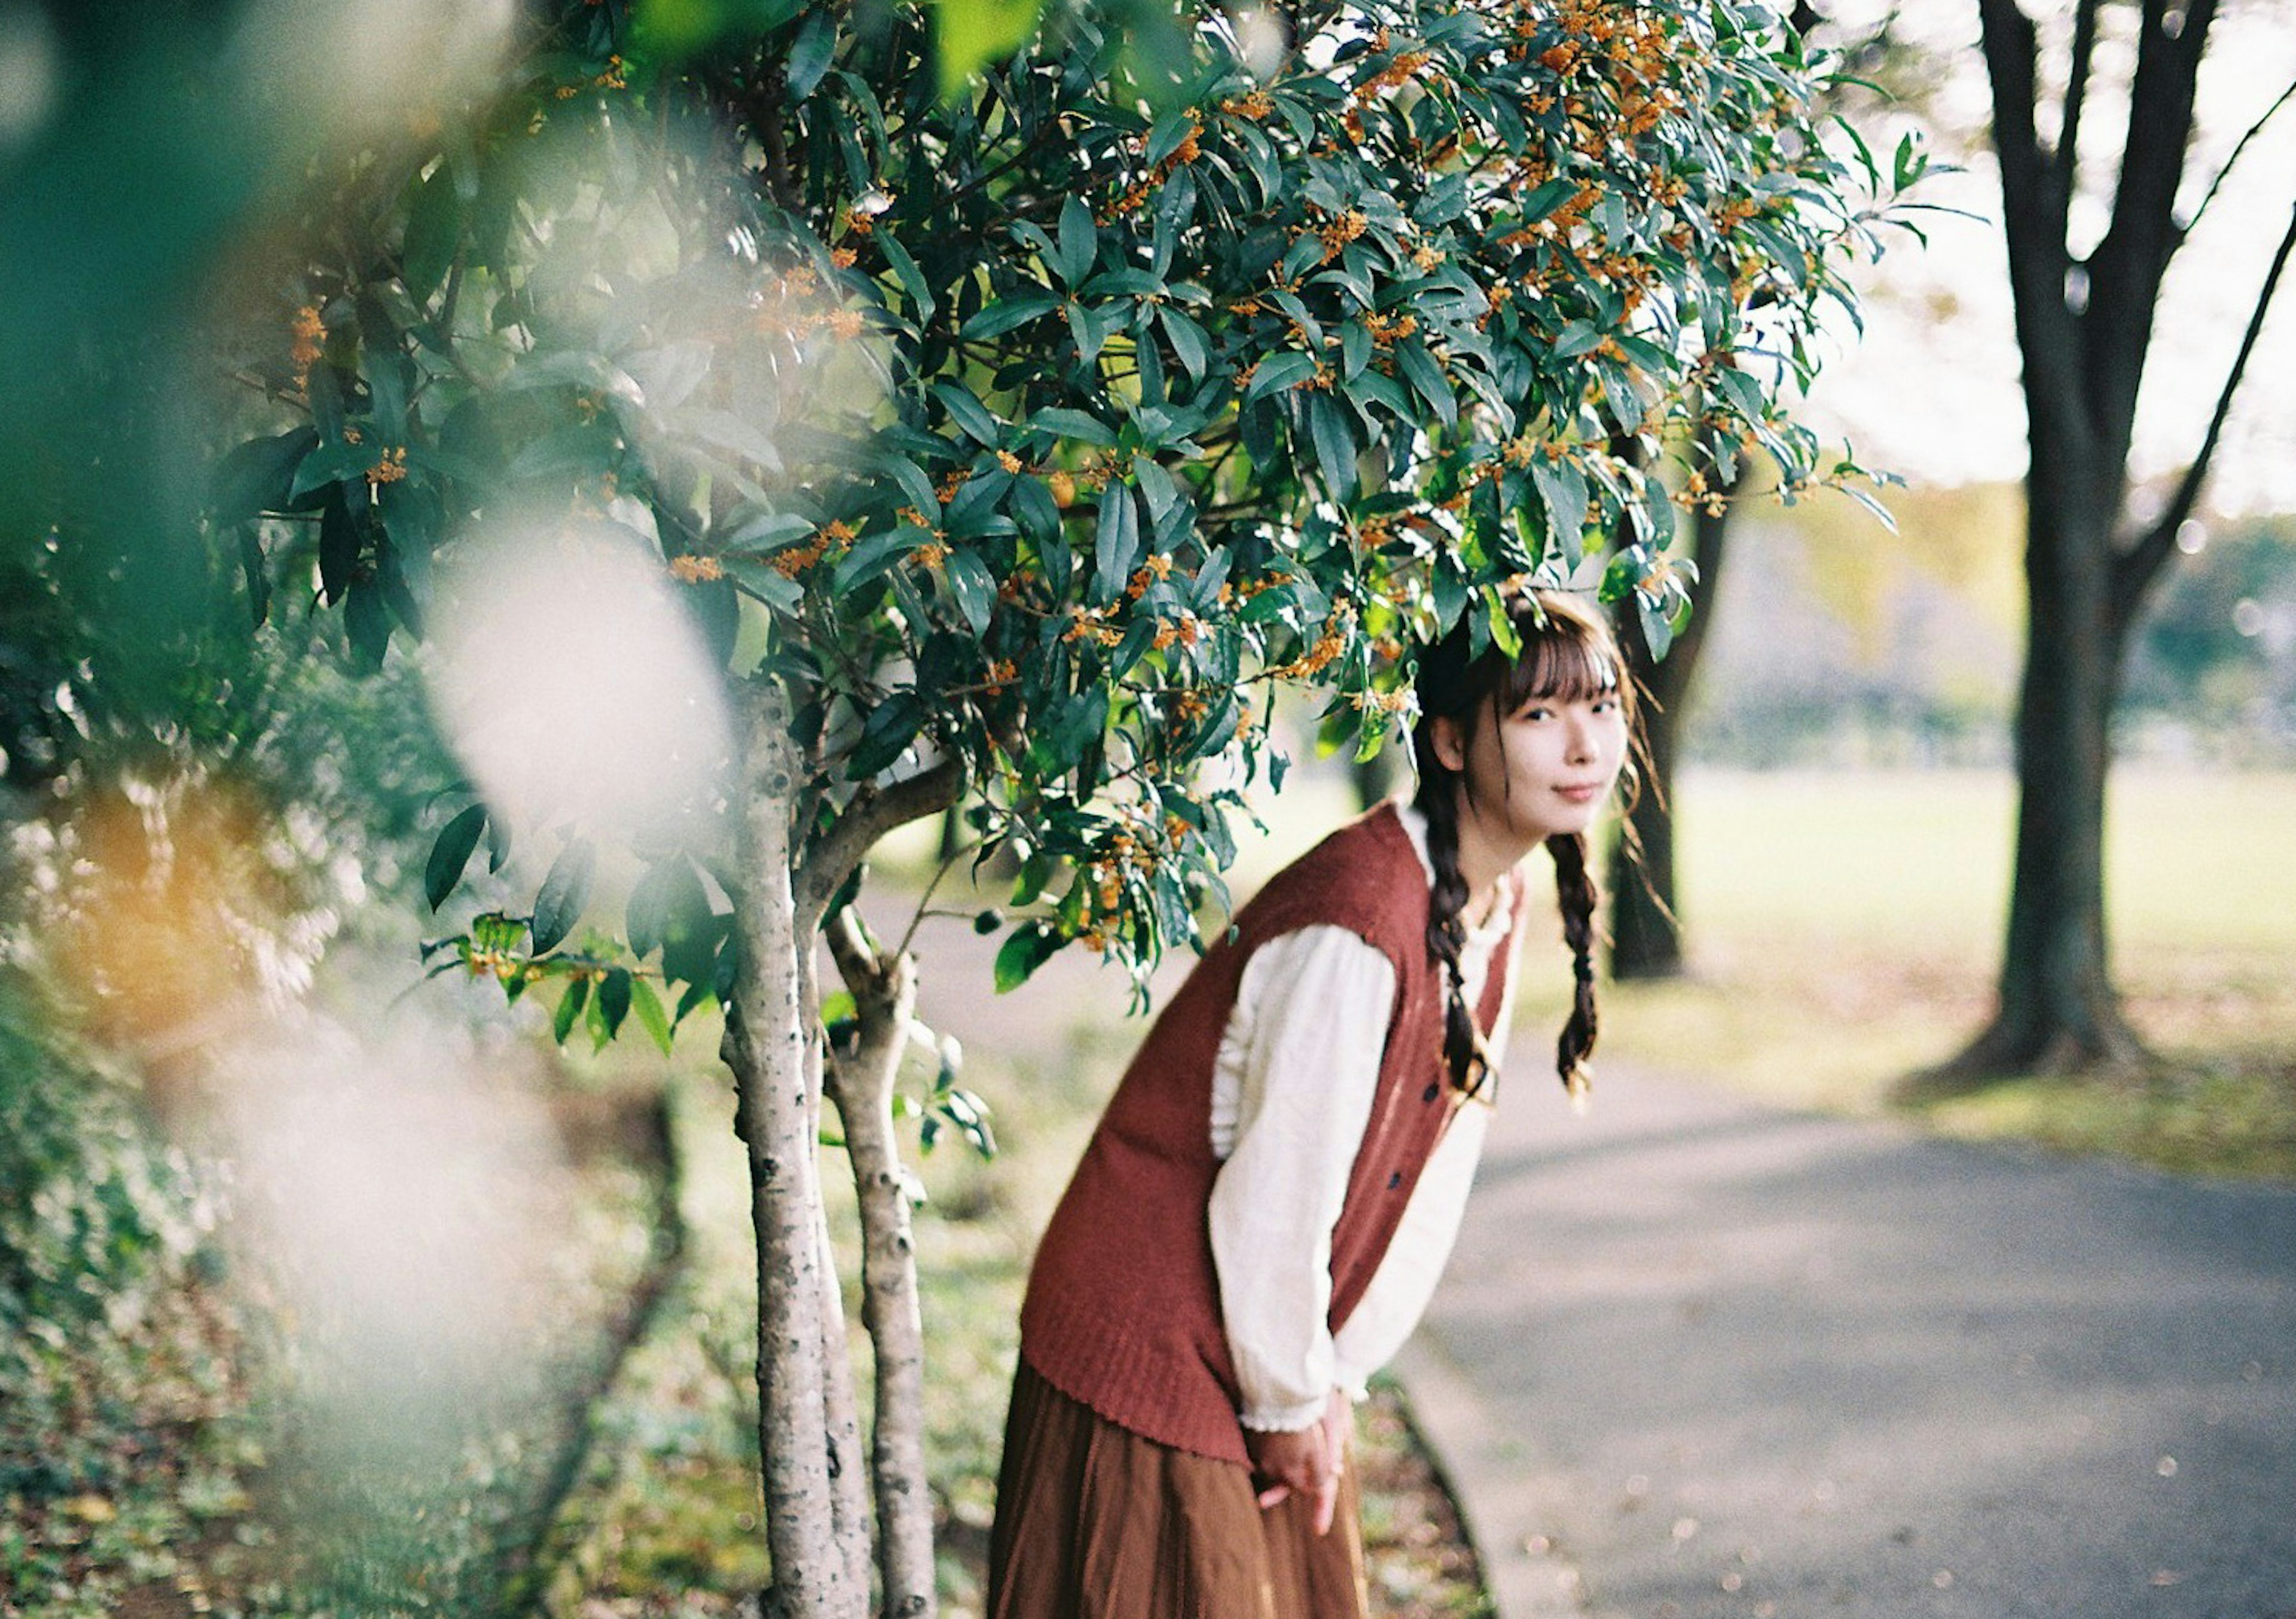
1400	1288
1305	1043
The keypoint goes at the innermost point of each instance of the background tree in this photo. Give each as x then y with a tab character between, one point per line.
1645	922
2085	328
1645	916
1000	440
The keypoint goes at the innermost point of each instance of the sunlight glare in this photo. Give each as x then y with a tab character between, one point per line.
573	685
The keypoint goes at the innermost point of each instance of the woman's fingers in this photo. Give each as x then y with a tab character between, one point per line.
1292	1459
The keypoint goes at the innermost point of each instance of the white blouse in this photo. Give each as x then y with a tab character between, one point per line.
1291	1094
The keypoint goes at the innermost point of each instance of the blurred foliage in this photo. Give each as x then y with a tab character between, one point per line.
108	1358
1869	653
1044	426
2209	643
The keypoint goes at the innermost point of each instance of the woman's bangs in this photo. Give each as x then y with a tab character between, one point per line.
1563	663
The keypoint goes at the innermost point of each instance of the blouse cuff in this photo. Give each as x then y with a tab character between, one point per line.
1283	1418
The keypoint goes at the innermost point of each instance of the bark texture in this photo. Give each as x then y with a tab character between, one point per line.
861	1083
2085	327
848	1488
769	1046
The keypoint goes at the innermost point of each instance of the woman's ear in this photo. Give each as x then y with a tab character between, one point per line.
1449	742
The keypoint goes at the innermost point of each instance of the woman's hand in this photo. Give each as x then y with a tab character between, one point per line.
1306	1460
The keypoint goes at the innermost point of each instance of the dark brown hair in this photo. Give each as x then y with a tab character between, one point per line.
1567	654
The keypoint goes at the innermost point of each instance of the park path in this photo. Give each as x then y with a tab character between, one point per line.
1696	1358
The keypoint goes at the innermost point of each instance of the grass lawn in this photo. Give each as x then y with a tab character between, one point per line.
1844	931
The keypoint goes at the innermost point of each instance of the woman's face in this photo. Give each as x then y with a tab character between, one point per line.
1544	769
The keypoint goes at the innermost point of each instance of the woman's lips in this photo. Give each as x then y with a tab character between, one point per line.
1584	792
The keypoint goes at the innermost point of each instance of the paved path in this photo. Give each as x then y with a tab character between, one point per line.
1696	1359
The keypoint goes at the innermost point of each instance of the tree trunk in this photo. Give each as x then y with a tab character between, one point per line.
861	1083
1645	916
2058	1008
768	1045
2084	362
848	1481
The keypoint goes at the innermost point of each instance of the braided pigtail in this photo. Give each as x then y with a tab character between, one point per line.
1438	800
1566	650
1574	891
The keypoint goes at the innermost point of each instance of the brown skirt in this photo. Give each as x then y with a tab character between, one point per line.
1094	1522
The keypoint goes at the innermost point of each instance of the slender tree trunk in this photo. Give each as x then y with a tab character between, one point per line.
861	1083
768	1041
848	1481
1646	916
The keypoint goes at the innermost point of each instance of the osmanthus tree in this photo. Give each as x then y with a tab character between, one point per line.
1008	436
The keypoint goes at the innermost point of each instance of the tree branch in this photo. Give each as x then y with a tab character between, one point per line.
2134	568
2240	147
2045	333
2126	269
831	856
2067	164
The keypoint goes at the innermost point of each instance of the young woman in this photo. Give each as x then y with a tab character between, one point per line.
1262	1212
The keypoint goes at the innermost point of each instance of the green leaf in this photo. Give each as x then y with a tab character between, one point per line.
569	1007
651	1016
328	463
366	621
451	853
1075	424
1577	338
1080	242
912	279
338	546
614	1000
891	727
809	54
1279	371
1116	542
876	553
1545	197
564	892
1420	369
975	590
965	409
723	430
434	231
1658	630
769	531
968	35
997	319
259	476
664	902
1189	347
1562	487
1025	949
1333	437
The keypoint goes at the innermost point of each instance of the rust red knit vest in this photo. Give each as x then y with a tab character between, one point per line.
1122	1310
